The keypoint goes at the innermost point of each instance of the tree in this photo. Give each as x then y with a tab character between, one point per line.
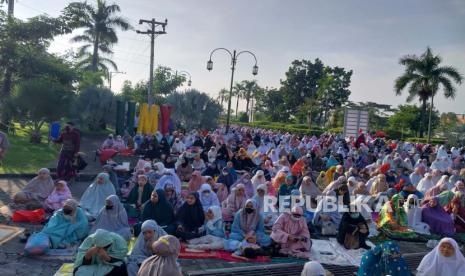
270	102
406	118
223	95
23	43
100	23
237	93
247	90
424	76
165	82
194	110
40	100
95	107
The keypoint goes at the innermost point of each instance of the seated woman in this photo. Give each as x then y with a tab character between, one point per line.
164	261
249	219
245	180
313	268
173	198
248	249
327	220
208	198
213	229
102	253
444	259
67	226
309	189
291	232
196	181
393	218
130	184
438	220
95	195
36	191
150	233
159	210
184	170
167	176
409	189
190	218
413	211
220	189
384	259
286	188
353	231
138	196
456	209
57	198
235	201
113	218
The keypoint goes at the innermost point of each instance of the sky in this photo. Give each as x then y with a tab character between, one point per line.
366	36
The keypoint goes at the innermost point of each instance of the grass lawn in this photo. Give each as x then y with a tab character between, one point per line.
25	157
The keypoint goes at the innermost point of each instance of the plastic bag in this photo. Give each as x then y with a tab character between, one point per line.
34	216
37	244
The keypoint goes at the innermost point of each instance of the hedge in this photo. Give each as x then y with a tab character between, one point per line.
292	128
434	141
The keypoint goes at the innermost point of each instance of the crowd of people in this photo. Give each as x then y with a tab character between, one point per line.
208	190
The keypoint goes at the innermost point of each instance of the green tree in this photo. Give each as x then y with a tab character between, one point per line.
100	23
248	91
270	103
236	92
223	95
165	82
94	107
23	43
423	76
194	110
406	118
40	100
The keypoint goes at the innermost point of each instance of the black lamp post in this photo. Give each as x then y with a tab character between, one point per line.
234	58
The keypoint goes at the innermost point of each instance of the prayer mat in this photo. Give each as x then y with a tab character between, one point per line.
412	236
9	232
216	254
66	269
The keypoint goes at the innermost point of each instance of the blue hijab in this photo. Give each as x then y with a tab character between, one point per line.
384	259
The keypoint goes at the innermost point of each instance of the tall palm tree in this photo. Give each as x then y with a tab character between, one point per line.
237	92
100	23
248	91
223	94
425	76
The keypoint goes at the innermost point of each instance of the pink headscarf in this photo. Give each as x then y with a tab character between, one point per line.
57	198
196	181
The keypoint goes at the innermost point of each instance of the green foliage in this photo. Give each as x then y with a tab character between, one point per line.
423	77
455	136
308	93
41	100
194	109
283	127
165	82
243	117
100	23
95	107
24	157
89	78
406	118
247	90
434	141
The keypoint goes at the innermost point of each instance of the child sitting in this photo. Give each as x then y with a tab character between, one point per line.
58	197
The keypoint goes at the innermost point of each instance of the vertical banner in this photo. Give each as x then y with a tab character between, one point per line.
120	112
165	118
142	118
130	117
154	110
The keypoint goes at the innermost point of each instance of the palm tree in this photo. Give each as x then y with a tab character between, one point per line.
100	23
425	76
223	95
237	92
248	91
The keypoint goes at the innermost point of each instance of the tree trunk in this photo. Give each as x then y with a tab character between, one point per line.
429	120
237	105
247	105
95	54
422	120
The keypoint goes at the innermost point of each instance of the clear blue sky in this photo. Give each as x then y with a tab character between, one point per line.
367	36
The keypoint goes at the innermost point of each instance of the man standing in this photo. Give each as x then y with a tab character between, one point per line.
70	140
4	145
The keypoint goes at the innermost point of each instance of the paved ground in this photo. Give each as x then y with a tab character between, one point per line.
12	262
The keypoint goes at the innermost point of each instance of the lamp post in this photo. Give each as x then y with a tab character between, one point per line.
114	73
234	57
189	82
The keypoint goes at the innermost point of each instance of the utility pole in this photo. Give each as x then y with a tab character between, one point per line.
153	33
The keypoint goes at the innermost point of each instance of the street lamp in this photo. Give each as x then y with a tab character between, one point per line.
234	58
114	73
189	82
